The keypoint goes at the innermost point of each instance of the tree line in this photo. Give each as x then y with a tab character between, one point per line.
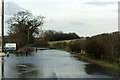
52	35
103	46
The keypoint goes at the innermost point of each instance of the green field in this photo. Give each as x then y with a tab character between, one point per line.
67	41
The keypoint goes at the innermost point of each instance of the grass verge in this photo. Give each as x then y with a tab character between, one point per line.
112	67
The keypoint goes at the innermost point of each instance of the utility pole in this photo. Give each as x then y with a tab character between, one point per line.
2	42
2	35
28	35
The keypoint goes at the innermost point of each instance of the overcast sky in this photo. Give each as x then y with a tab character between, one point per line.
85	17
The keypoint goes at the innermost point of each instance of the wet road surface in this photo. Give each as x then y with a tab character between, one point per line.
50	64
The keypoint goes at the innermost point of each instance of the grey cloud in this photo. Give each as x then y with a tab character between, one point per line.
11	8
101	3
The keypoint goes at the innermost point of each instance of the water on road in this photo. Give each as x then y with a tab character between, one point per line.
50	64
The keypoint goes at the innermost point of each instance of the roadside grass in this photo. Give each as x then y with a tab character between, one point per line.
113	67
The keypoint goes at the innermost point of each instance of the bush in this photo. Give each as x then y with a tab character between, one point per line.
41	42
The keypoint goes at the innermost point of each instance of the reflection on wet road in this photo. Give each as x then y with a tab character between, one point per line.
50	64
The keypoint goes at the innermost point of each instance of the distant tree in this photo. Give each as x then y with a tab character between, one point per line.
52	35
49	35
74	46
21	23
73	35
41	42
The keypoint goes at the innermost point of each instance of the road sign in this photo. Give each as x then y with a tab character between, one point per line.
10	46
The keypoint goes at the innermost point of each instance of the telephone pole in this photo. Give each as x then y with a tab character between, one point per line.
2	41
2	29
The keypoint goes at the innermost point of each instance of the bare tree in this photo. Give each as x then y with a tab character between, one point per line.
23	23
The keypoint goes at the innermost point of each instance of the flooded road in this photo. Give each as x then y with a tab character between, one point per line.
50	64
